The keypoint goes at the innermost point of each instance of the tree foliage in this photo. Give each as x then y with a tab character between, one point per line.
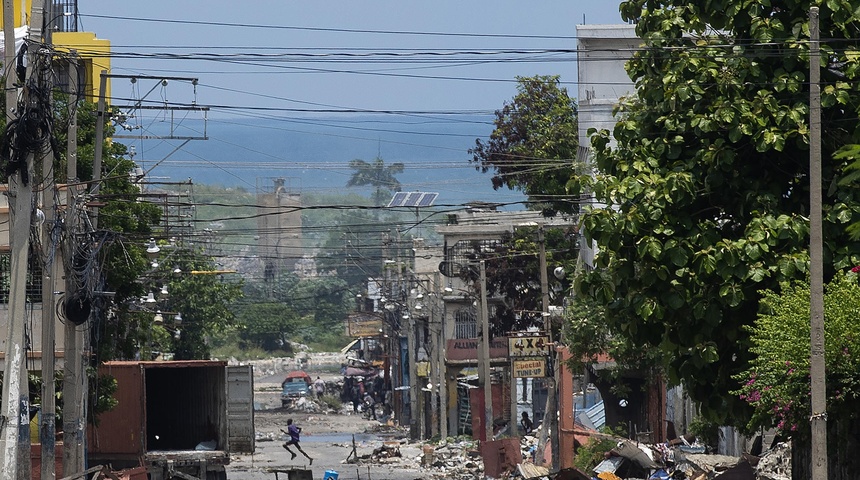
776	384
513	275
534	143
707	187
378	175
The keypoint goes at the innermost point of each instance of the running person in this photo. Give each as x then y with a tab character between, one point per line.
294	431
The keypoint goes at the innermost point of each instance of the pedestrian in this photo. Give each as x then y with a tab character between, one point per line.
319	387
355	397
526	423
293	432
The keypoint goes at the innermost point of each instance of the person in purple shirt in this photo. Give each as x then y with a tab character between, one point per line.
294	431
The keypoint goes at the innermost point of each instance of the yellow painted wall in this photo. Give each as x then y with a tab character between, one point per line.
22	13
94	53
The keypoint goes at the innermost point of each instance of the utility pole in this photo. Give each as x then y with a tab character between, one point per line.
818	415
50	270
73	365
15	440
440	382
550	418
484	378
411	346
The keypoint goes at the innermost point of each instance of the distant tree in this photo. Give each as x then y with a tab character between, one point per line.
513	275
270	326
534	144
377	175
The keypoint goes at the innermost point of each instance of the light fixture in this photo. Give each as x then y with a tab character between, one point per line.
177	270
419	296
178	318
164	290
150	298
449	288
559	273
152	249
419	306
158	319
405	316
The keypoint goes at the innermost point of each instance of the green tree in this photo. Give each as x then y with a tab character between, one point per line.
270	326
776	383
707	187
534	143
377	175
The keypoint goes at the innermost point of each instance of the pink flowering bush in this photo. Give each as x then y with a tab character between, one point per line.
777	384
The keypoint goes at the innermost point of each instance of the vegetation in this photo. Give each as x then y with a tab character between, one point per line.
707	187
377	175
776	383
534	144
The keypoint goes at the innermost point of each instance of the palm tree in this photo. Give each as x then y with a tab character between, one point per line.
377	175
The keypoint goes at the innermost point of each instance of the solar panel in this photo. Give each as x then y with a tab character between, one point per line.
428	199
397	200
413	199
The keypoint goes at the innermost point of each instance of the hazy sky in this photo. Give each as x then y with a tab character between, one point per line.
436	66
404	79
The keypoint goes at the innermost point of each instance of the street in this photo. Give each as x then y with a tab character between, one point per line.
327	438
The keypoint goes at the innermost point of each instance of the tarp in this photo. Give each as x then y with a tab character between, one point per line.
297	375
20	34
360	371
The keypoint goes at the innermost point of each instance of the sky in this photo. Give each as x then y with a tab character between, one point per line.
377	72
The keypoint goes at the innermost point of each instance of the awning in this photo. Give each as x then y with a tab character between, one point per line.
349	346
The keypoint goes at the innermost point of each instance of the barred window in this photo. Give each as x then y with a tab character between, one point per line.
465	324
34	279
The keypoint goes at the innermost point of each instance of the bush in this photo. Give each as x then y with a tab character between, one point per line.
589	455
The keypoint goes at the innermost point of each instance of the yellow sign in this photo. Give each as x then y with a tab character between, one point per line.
532	346
531	368
423	369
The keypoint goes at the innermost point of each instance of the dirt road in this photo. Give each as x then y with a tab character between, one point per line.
327	438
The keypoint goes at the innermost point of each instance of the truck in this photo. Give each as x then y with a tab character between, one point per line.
295	386
178	419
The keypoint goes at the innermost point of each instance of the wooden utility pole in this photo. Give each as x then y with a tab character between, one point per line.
818	415
484	378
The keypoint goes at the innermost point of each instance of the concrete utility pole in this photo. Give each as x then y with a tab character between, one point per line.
550	418
818	415
484	377
73	364
50	271
15	440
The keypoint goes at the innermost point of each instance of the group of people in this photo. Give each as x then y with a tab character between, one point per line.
366	396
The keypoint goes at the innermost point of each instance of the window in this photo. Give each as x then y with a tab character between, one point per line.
34	279
465	324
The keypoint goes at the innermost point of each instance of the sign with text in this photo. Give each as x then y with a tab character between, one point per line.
362	324
531	346
531	368
467	348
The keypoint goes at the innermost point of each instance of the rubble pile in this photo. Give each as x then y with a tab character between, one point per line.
775	464
453	459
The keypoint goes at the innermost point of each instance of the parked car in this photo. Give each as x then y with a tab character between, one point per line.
295	386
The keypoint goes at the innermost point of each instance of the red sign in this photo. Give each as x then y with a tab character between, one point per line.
467	348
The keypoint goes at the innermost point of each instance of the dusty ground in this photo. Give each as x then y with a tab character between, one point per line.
327	438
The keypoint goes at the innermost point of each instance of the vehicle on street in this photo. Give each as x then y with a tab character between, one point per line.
295	386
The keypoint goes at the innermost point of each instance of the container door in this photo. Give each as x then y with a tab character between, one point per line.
240	408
